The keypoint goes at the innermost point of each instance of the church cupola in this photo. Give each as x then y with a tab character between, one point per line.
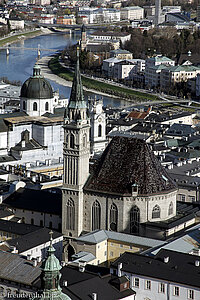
36	97
77	110
51	276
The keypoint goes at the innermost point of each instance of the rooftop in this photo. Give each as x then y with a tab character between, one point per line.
36	200
127	161
180	268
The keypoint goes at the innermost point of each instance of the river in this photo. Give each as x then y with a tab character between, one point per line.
19	64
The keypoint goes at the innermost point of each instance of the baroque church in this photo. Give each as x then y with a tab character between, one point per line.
126	189
36	132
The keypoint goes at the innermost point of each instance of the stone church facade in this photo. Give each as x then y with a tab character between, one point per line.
127	187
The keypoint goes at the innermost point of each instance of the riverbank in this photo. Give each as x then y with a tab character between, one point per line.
65	80
101	87
21	36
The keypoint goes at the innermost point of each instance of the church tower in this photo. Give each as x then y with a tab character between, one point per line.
98	126
76	154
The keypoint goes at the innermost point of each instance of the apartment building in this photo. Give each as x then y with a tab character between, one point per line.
132	13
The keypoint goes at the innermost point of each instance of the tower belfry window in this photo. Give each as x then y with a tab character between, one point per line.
71	141
46	106
70	215
99	130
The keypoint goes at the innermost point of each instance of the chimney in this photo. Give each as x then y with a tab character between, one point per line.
63	263
28	256
119	270
196	263
39	259
34	262
65	283
23	144
94	296
166	259
82	267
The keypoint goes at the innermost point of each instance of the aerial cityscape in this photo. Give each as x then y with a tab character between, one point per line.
100	149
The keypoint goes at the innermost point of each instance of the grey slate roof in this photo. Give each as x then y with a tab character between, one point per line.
127	161
17	228
36	200
32	239
16	268
180	268
98	236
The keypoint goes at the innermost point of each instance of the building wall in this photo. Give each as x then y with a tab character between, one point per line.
154	293
39	218
40	252
124	206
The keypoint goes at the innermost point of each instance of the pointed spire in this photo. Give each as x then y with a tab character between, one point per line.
77	99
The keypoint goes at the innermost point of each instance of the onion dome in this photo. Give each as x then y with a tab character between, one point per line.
36	87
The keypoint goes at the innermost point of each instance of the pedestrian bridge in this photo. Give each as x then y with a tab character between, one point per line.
25	48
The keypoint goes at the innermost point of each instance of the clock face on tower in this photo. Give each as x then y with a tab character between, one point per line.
99	120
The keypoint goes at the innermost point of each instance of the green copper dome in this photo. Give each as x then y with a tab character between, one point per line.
36	87
50	277
51	263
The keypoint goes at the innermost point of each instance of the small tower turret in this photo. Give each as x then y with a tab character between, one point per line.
51	275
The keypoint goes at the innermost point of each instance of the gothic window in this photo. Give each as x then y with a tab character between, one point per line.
41	223
50	224
113	217
170	211
99	130
156	212
71	141
96	215
46	106
35	106
32	221
134	219
84	140
24	105
70	215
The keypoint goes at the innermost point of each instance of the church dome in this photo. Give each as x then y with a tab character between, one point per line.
36	87
51	263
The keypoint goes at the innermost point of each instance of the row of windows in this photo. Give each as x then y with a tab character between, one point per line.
35	106
96	216
42	223
182	197
162	288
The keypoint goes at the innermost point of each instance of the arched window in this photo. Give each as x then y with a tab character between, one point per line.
35	106
113	217
134	219
46	106
50	224
96	215
84	140
70	215
24	105
32	221
170	211
41	223
71	141
156	212
99	130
